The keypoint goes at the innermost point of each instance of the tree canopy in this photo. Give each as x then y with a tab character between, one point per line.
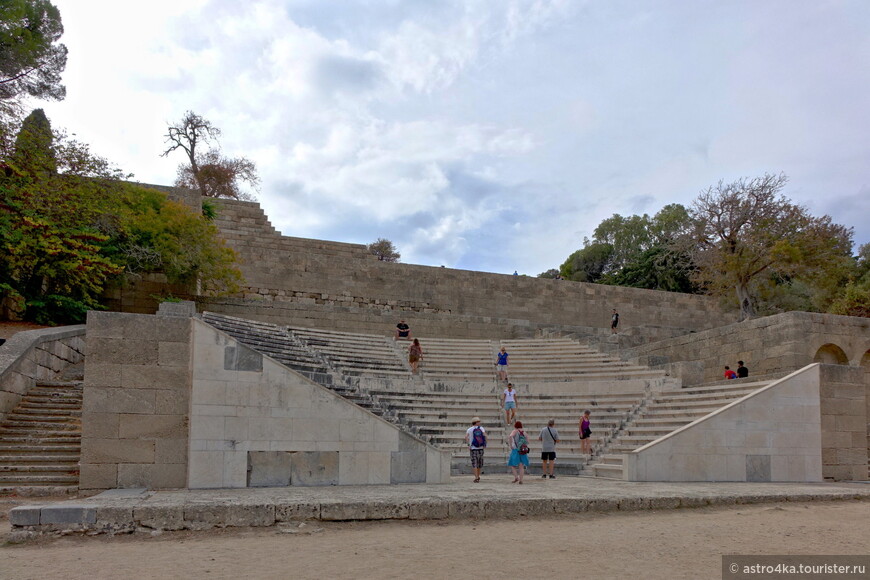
70	225
31	59
384	250
743	241
745	232
208	170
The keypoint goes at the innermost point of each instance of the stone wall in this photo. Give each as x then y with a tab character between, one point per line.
36	355
773	344
257	423
326	284
845	400
774	434
136	398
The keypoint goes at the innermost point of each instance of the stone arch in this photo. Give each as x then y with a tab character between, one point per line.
831	354
865	361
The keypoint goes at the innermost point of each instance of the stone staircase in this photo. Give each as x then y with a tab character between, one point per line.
40	440
354	354
663	413
443	418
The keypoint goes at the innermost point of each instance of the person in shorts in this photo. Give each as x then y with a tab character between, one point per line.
585	429
549	437
501	364
475	446
509	403
415	355
403	330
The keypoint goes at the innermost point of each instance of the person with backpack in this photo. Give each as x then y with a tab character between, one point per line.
519	457
475	436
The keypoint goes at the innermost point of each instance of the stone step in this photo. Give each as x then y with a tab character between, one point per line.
48	448
38	468
20	479
12	426
38	490
45	415
607	470
37	458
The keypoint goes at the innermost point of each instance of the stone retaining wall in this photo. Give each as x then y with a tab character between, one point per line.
36	355
772	344
135	407
257	423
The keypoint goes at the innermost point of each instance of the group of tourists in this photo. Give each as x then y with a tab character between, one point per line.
518	442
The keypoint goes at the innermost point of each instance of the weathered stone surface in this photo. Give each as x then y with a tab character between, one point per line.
68	513
408	466
26	515
297	511
429	510
160	517
269	469
314	468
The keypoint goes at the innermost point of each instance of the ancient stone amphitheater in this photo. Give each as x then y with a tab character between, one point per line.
299	381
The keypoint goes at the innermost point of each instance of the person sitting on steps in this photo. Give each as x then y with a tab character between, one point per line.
403	330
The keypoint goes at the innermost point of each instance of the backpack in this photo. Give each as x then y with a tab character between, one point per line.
522	443
477	438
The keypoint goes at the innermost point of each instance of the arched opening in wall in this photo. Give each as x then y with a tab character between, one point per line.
831	354
865	361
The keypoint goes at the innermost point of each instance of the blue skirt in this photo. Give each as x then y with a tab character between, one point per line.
515	458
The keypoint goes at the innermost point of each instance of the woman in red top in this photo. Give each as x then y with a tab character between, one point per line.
729	374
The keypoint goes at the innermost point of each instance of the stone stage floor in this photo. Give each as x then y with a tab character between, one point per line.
126	510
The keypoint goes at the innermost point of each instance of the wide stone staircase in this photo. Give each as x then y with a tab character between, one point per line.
443	419
354	354
665	412
40	440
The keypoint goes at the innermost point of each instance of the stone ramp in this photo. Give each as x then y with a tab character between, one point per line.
123	511
665	412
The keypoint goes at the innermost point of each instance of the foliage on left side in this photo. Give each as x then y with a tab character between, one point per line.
70	225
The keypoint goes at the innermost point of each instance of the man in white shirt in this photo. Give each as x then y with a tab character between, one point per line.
475	436
509	402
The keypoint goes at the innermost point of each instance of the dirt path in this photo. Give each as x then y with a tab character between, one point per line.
649	545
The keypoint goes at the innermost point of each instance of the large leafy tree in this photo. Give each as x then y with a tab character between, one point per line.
31	59
69	225
207	169
746	233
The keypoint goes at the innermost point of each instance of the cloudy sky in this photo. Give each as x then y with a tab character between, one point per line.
486	135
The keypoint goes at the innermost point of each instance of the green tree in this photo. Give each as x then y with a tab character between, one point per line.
384	250
208	170
31	60
66	233
589	263
550	274
658	268
745	232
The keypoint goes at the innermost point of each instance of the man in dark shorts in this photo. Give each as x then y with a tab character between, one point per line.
403	330
614	321
549	437
742	371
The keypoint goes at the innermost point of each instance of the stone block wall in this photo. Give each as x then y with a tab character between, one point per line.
774	434
773	344
845	399
324	284
136	400
254	422
36	355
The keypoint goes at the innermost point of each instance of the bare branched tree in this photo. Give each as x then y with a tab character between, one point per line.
208	170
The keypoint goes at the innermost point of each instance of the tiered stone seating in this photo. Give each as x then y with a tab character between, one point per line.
444	417
457	360
271	340
559	359
666	412
354	354
40	441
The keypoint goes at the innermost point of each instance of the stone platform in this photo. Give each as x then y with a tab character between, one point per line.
128	510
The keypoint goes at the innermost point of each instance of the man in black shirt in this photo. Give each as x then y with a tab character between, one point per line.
403	330
742	371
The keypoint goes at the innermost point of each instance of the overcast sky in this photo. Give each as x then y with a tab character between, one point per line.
486	135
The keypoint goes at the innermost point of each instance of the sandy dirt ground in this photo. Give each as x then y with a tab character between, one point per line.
650	545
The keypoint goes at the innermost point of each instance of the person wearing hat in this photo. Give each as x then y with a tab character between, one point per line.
475	436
